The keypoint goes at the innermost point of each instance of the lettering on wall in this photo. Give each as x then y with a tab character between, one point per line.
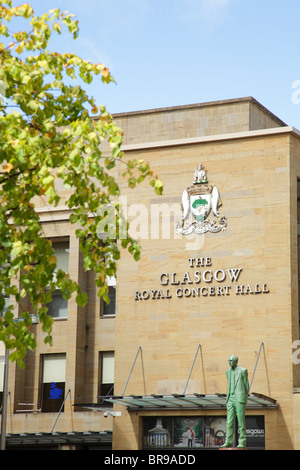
201	280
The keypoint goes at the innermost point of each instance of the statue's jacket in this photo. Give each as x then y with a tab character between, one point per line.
241	384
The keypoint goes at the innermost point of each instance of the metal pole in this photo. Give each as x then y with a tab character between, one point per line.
262	344
60	410
4	406
191	369
140	347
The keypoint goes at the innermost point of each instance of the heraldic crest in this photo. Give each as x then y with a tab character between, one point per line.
199	200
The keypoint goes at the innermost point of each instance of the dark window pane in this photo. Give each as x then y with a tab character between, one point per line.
53	396
110	309
107	389
58	308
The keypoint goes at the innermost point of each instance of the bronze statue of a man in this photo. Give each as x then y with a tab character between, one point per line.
236	400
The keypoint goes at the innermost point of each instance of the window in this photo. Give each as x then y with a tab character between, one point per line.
58	307
110	309
53	382
6	305
62	255
107	363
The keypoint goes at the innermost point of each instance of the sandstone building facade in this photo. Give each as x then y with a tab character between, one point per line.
218	276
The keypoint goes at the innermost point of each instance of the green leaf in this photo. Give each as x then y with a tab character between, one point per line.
81	299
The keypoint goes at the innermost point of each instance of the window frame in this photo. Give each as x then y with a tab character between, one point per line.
45	386
112	288
105	385
56	242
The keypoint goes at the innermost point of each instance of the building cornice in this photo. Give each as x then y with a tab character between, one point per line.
213	138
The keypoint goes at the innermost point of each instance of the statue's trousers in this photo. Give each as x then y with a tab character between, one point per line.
235	408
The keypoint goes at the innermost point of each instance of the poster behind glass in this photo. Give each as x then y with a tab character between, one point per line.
184	432
196	432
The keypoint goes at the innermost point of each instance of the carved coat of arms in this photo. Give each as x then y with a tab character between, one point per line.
200	200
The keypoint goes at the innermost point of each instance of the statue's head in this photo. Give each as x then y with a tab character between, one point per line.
233	360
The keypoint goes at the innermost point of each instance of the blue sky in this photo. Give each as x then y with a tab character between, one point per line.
174	52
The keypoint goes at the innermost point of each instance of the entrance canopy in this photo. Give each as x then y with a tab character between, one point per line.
179	402
44	439
175	401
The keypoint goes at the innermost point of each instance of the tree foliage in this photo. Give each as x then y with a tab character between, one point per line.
47	133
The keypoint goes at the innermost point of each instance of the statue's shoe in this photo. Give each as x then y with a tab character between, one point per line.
227	444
